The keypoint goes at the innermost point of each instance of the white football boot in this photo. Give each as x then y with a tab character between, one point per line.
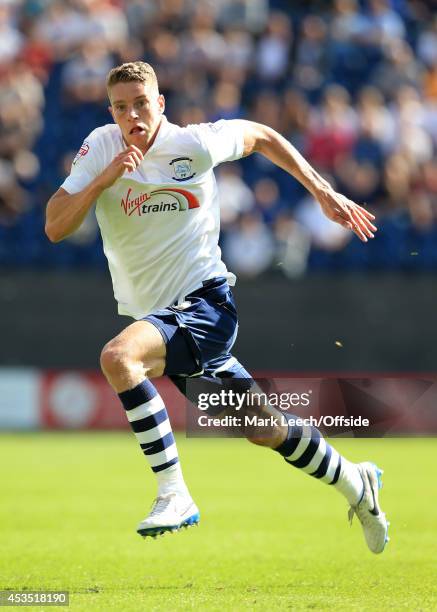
370	515
170	512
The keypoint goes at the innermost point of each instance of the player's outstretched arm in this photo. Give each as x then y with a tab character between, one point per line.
263	139
65	212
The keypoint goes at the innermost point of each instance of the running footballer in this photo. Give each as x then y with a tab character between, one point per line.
158	210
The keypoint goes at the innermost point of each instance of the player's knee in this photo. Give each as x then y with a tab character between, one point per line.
118	363
114	359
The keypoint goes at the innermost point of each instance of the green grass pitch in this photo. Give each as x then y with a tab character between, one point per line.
270	537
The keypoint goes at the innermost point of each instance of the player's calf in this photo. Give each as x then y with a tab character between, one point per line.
262	425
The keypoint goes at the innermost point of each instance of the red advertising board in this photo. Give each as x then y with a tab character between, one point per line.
84	400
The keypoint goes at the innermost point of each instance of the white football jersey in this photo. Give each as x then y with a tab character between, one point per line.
160	224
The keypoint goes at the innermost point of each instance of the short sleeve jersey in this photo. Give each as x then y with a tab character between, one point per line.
160	224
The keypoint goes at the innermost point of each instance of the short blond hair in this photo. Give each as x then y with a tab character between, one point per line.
142	72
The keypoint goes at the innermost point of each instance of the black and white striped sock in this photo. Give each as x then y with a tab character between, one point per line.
306	449
149	420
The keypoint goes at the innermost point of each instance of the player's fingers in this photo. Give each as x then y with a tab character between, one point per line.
361	223
136	150
365	212
341	220
358	231
348	216
367	224
358	221
134	157
133	154
360	211
129	154
345	219
122	157
370	225
128	165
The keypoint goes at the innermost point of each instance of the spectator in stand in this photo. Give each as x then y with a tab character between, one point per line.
203	47
248	15
14	201
63	27
225	101
83	76
295	114
376	121
333	128
411	116
323	235
249	248
108	20
176	15
21	105
427	44
421	210
165	54
11	40
399	67
312	61
193	89
352	54
385	25
268	202
359	179
239	48
398	179
274	49
139	15
348	25
430	82
429	179
293	246
190	113
267	107
37	54
235	195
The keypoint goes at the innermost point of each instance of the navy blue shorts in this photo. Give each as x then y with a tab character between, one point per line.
199	334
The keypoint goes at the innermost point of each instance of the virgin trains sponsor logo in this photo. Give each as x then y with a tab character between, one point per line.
145	203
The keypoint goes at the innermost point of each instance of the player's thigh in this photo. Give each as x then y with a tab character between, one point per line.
140	342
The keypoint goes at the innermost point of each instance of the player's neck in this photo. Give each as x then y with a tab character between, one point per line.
150	142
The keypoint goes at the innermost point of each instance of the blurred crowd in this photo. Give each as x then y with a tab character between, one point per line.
351	83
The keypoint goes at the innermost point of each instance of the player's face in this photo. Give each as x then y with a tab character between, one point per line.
137	109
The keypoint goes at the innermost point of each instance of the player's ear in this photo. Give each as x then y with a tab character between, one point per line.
111	111
161	103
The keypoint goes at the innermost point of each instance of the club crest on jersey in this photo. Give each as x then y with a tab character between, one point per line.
177	200
182	170
82	152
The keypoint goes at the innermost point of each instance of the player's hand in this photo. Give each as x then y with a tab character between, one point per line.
340	209
129	160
